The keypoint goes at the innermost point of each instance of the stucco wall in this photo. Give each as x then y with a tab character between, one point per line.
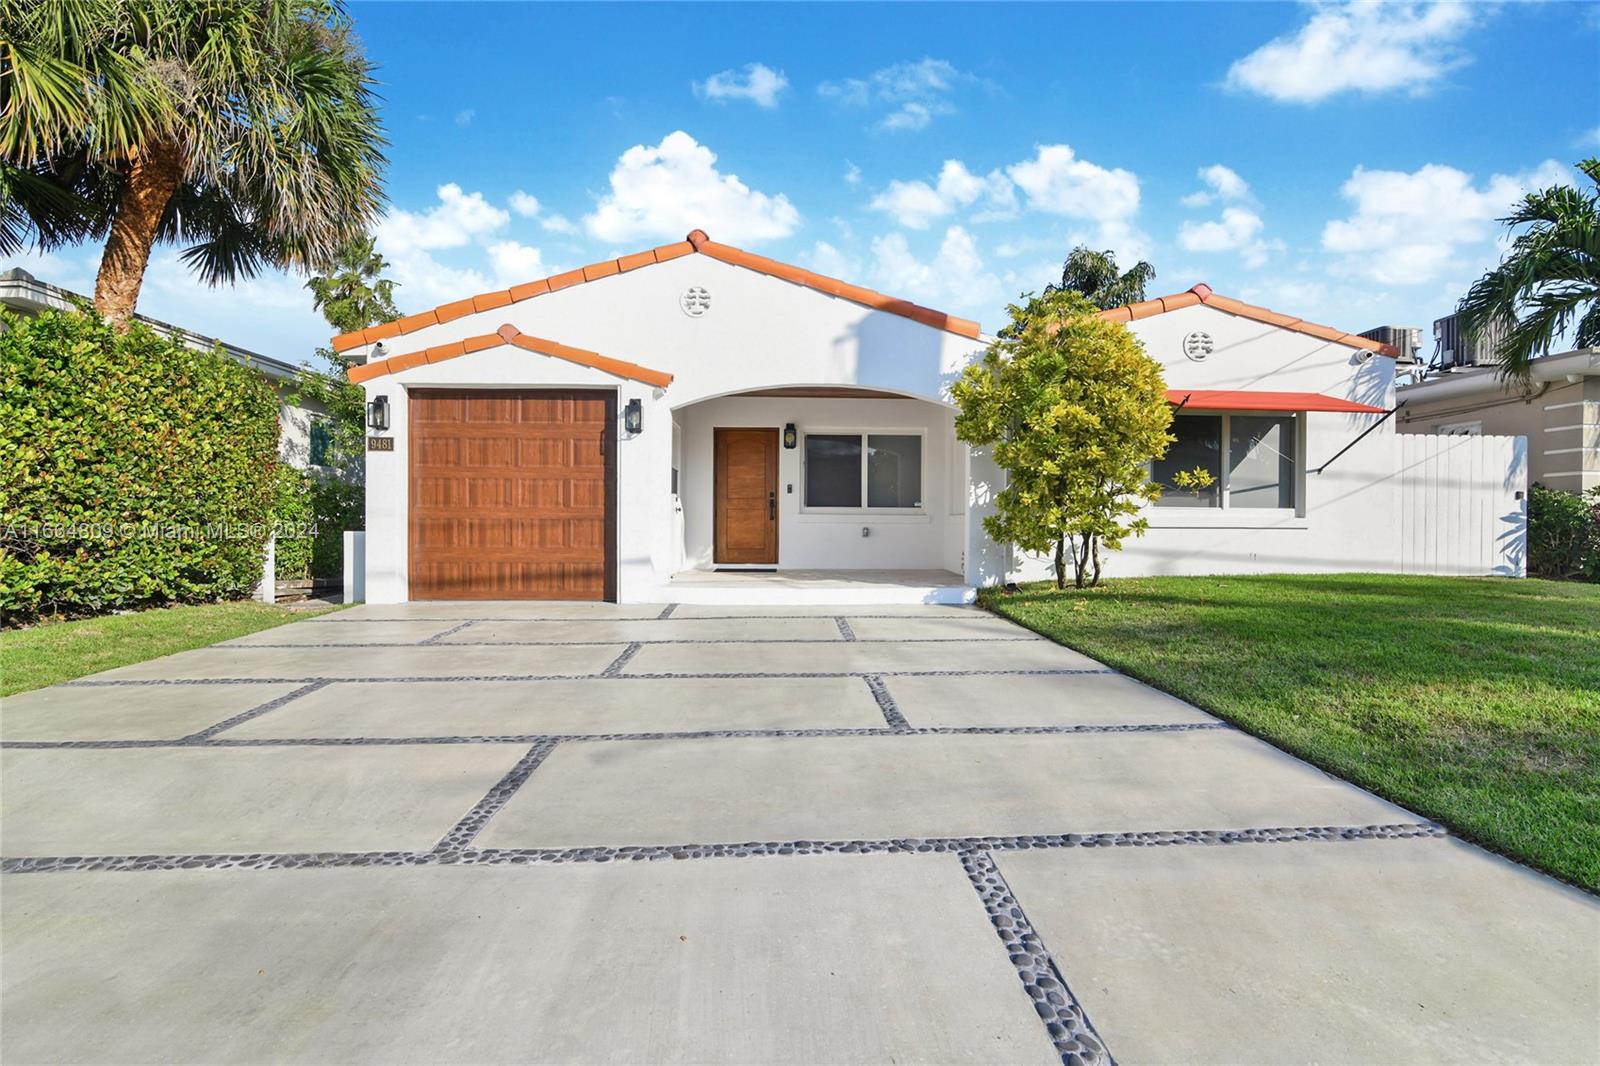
929	541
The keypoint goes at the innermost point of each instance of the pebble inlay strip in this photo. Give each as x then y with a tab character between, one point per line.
657	852
1034	672
1063	1016
845	632
886	704
666	612
462	833
254	712
620	661
436	638
900	730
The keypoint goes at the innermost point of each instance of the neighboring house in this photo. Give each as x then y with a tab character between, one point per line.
624	430
304	436
1559	413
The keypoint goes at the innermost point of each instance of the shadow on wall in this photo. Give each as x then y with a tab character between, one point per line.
892	353
1512	542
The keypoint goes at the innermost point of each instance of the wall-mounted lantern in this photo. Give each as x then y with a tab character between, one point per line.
378	413
633	416
790	437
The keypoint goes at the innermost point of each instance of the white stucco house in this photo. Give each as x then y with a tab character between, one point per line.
694	423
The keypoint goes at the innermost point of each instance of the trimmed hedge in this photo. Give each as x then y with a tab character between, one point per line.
1564	534
134	471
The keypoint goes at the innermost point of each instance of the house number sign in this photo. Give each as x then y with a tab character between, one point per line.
380	444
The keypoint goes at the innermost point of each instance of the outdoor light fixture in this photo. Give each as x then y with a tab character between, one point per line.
378	413
790	437
633	416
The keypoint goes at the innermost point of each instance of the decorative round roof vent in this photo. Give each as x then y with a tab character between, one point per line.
695	301
1197	345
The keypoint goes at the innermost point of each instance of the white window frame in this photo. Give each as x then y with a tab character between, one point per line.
851	431
1224	446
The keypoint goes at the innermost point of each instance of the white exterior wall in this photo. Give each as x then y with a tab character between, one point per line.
761	332
1347	517
929	541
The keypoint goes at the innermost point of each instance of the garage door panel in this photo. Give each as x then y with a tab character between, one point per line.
512	495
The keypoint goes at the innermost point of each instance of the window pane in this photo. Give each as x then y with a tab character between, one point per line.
894	470
1261	461
833	470
1199	444
321	442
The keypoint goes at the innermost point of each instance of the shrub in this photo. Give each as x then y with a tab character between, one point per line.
313	511
134	470
1564	534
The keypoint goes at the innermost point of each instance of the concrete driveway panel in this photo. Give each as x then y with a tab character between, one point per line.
626	631
501	708
849	788
377	662
855	657
208	800
1037	699
463	611
846	959
1364	951
344	631
142	712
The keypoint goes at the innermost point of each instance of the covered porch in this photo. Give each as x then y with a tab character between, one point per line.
817	494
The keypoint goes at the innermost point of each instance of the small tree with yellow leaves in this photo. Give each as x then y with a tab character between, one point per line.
1074	411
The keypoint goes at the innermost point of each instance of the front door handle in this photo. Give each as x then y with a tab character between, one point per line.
772	506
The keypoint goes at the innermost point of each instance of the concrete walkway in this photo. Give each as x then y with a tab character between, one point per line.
563	833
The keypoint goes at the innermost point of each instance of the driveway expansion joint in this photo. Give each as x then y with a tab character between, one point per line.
666	612
436	638
616	665
1063	1016
845	632
886	704
892	730
462	833
449	852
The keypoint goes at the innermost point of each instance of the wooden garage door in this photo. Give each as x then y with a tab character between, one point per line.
513	494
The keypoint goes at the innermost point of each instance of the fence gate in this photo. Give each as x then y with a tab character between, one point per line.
1463	504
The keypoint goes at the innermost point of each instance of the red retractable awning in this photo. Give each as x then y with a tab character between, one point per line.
1251	400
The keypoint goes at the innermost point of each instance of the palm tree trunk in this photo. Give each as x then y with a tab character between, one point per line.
155	175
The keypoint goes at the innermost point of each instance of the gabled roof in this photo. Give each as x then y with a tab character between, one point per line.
1202	294
509	334
696	242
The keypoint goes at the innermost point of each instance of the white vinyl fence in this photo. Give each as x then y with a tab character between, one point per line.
1463	504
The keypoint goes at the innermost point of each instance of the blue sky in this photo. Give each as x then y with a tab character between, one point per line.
1340	162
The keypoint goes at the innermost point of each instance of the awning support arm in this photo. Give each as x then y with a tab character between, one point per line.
1386	416
1181	404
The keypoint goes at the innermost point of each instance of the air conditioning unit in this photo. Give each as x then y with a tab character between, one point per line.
1404	339
1453	348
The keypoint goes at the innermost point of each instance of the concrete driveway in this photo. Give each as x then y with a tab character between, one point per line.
550	832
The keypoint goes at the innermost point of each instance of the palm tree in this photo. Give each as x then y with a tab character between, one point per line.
1549	278
244	130
353	294
1095	275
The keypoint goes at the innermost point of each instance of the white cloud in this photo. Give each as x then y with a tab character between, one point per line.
1359	47
955	279
914	204
1221	184
464	118
525	204
1410	228
1590	138
910	95
558	224
852	173
824	258
513	262
757	83
455	220
674	187
1238	230
1057	182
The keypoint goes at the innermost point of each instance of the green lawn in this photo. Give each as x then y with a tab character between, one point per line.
1472	701
47	654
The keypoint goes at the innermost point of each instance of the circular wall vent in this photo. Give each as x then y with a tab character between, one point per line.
695	301
1197	346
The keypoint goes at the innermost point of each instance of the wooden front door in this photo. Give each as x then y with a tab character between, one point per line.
513	494
746	476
